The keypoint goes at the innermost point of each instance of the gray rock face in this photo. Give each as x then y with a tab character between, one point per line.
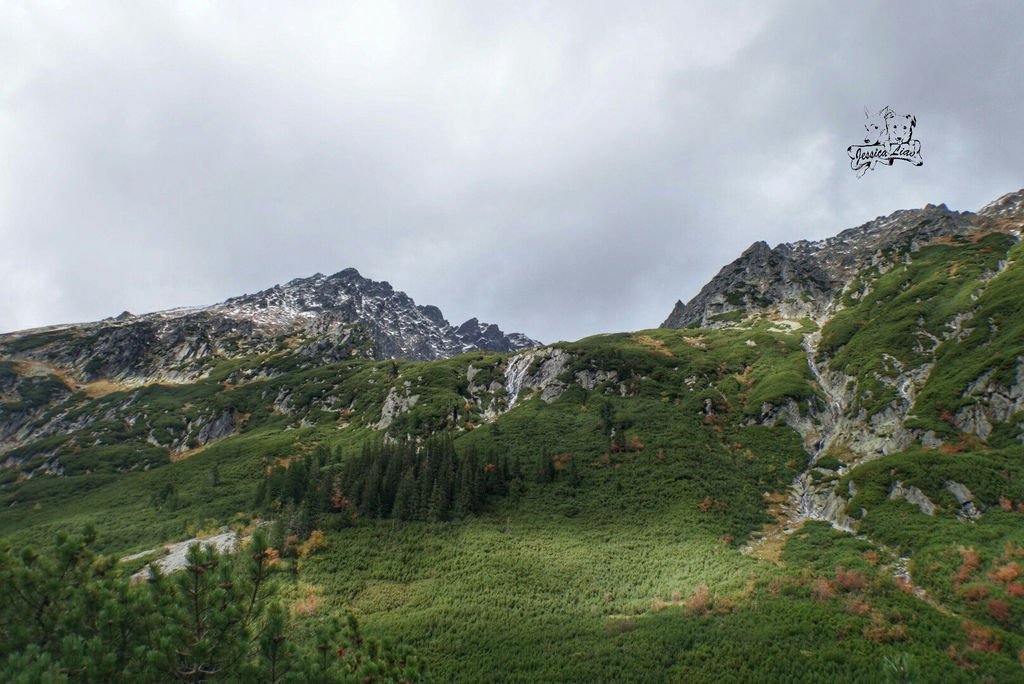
960	492
219	428
820	501
395	404
320	320
992	403
968	509
536	370
175	556
816	280
589	378
1010	205
913	495
832	420
476	335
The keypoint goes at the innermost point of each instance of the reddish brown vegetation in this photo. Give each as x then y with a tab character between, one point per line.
1006	573
903	585
708	503
700	601
271	555
957	655
306	606
339	501
883	630
849	580
976	593
981	638
970	559
999	610
634	445
857	606
949	448
822	589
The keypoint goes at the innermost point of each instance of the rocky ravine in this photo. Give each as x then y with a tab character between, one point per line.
803	279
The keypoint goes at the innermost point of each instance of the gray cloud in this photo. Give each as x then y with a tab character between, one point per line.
559	169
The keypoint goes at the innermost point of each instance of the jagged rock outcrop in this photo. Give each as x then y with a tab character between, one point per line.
992	403
538	370
313	321
216	429
969	510
914	496
818	500
395	404
589	378
853	406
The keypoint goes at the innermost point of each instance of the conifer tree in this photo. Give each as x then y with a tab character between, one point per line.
405	498
68	615
437	508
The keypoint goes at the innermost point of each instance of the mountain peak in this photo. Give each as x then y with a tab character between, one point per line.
800	279
323	318
399	327
347	273
759	248
433	313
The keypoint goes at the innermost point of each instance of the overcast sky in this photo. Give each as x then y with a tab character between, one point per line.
561	169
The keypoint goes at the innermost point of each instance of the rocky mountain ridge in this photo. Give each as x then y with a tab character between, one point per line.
321	319
804	278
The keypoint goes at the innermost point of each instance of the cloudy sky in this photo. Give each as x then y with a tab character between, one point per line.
558	168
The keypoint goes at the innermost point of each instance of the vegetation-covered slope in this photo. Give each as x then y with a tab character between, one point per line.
645	506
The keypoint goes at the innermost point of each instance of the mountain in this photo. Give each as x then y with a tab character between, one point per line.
814	473
320	319
804	278
918	333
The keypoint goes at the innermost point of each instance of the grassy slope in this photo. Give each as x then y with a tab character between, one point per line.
659	408
940	545
590	591
905	316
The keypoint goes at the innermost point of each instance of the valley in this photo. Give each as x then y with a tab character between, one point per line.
814	470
